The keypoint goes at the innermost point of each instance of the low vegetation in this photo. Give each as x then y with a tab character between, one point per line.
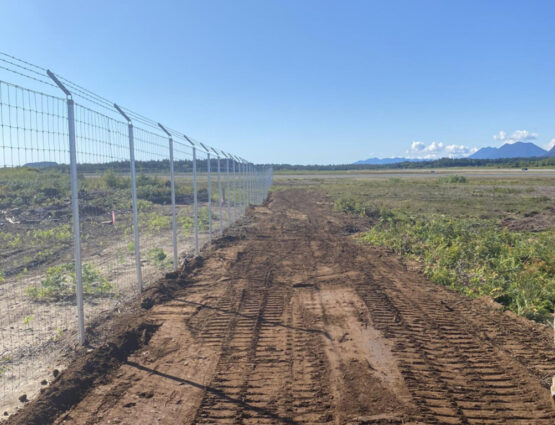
36	228
454	227
60	283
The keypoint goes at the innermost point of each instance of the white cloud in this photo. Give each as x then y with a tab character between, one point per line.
417	146
500	136
550	145
517	136
436	150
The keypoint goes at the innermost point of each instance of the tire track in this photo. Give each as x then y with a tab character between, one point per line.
454	377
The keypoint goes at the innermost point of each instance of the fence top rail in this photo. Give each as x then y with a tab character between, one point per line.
38	92
93	102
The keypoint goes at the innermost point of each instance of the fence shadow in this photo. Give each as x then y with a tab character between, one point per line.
216	392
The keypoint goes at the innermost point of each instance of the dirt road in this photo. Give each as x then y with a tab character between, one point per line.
289	320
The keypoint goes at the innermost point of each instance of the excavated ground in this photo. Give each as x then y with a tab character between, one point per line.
288	320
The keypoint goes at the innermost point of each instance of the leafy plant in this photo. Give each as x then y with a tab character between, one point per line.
60	282
112	180
158	257
187	224
203	218
28	319
154	222
59	334
453	179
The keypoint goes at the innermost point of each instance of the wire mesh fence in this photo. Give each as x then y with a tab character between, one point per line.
96	202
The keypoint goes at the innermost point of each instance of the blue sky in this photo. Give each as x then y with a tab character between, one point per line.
309	81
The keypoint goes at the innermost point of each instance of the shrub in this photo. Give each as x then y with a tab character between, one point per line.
350	205
59	283
477	257
159	258
112	180
187	224
453	179
203	216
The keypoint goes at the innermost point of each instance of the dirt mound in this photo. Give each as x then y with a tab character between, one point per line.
534	221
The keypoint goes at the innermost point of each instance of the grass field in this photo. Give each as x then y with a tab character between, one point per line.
487	235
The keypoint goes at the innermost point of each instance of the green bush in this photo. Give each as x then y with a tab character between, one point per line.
187	224
59	283
113	180
203	218
350	205
154	222
453	179
159	258
476	257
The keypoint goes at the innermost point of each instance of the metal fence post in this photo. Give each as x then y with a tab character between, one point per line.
209	192
74	207
241	177
244	174
249	183
172	184
228	197
220	200
195	198
234	189
134	196
240	188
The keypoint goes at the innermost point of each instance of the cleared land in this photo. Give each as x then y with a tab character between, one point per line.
38	321
290	319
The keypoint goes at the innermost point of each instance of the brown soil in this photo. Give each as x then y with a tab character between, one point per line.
531	222
289	320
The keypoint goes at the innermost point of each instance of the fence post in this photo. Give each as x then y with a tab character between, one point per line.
245	198
209	192
240	182
249	183
220	200
195	197
133	196
228	198
172	184
74	207
234	189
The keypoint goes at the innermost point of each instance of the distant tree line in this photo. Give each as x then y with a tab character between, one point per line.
186	166
437	163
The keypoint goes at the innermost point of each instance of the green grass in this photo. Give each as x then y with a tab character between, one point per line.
453	228
159	258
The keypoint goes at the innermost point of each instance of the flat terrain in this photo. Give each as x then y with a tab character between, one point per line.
290	320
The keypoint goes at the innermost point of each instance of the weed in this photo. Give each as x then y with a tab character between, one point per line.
59	283
154	222
158	257
453	179
187	224
59	334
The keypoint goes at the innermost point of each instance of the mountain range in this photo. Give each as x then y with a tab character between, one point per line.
508	150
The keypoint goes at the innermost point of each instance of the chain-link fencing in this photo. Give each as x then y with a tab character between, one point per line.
96	203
